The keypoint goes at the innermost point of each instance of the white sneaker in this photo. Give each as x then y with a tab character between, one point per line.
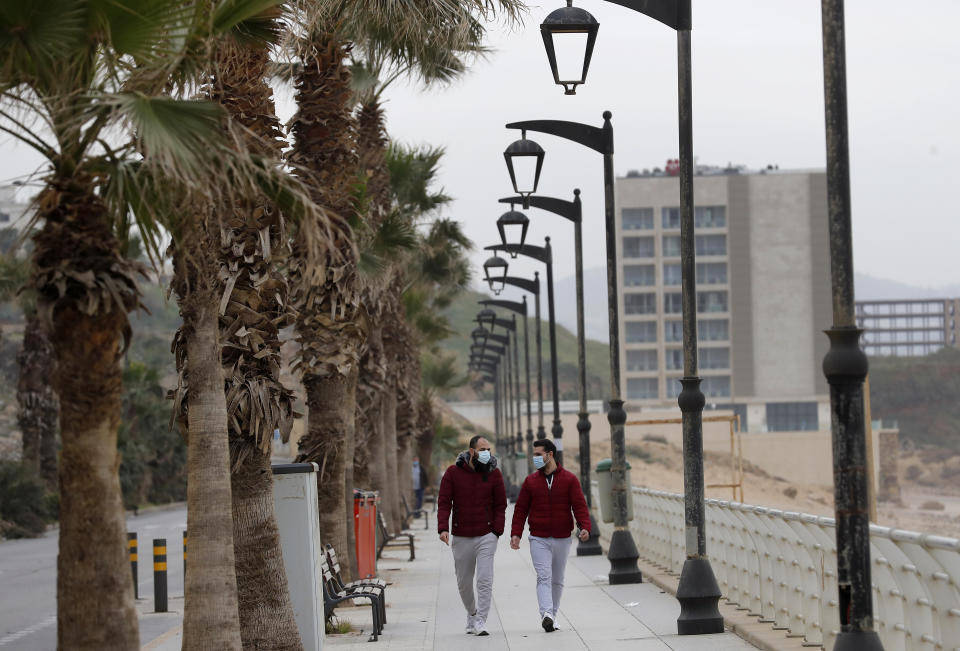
480	627
471	625
556	621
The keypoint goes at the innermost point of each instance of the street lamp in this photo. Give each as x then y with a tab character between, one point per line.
544	254
573	211
622	552
845	365
512	221
574	30
533	287
526	157
495	270
521	308
487	319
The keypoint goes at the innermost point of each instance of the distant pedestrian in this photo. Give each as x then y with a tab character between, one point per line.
418	482
552	498
473	489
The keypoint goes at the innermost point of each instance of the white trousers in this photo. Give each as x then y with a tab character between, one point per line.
549	557
473	555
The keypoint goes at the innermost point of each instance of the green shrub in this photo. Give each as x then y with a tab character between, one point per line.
25	507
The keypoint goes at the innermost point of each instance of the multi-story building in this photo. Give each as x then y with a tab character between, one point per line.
910	326
763	292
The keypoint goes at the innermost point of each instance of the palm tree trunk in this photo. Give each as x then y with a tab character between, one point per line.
95	608
390	498
331	401
266	612
349	454
372	459
211	612
38	406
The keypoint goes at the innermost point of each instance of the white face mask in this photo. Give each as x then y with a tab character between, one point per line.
483	456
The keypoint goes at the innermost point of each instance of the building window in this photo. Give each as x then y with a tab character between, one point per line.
641	360
671	273
791	416
637	219
716	386
640	303
711	244
712	302
641	332
710	216
713	330
642	388
711	273
671	217
714	358
672	303
638	247
671	246
639	275
673	359
673	330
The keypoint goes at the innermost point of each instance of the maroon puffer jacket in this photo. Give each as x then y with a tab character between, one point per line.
550	508
478	501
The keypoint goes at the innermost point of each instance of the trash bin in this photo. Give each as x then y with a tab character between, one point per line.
605	488
365	532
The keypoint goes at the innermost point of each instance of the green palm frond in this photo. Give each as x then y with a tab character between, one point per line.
412	171
440	373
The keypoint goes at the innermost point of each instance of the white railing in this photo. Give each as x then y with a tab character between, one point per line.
781	567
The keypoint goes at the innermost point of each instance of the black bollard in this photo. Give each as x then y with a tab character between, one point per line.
160	575
132	547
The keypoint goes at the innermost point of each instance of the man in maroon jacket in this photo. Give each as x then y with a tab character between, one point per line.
549	496
473	488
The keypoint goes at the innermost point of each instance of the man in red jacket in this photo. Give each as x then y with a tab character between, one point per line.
473	488
549	496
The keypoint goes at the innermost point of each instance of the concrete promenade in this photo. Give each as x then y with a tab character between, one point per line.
424	609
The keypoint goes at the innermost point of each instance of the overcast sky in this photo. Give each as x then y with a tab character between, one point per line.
758	100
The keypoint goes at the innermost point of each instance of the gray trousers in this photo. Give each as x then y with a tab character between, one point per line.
549	557
474	556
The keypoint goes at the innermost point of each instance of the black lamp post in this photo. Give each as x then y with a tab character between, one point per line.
698	592
520	308
533	287
574	28
544	254
511	221
526	157
495	270
622	553
845	365
573	211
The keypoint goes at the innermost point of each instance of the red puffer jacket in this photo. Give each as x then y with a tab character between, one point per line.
478	501
550	508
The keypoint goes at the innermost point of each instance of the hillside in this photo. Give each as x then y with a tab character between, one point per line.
920	393
462	313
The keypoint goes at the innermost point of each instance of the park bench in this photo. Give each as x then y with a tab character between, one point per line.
387	539
335	594
412	514
374	585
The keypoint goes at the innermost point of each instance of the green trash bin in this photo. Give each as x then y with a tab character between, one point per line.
605	488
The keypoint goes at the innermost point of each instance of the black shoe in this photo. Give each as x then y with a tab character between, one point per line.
547	623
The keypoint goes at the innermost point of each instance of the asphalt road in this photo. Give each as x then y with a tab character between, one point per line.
28	582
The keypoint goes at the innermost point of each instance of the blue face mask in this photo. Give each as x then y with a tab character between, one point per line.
539	462
483	456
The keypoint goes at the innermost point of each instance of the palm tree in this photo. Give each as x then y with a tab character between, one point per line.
87	86
37	403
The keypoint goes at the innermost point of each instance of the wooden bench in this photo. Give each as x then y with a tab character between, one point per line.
335	594
413	513
387	539
374	585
